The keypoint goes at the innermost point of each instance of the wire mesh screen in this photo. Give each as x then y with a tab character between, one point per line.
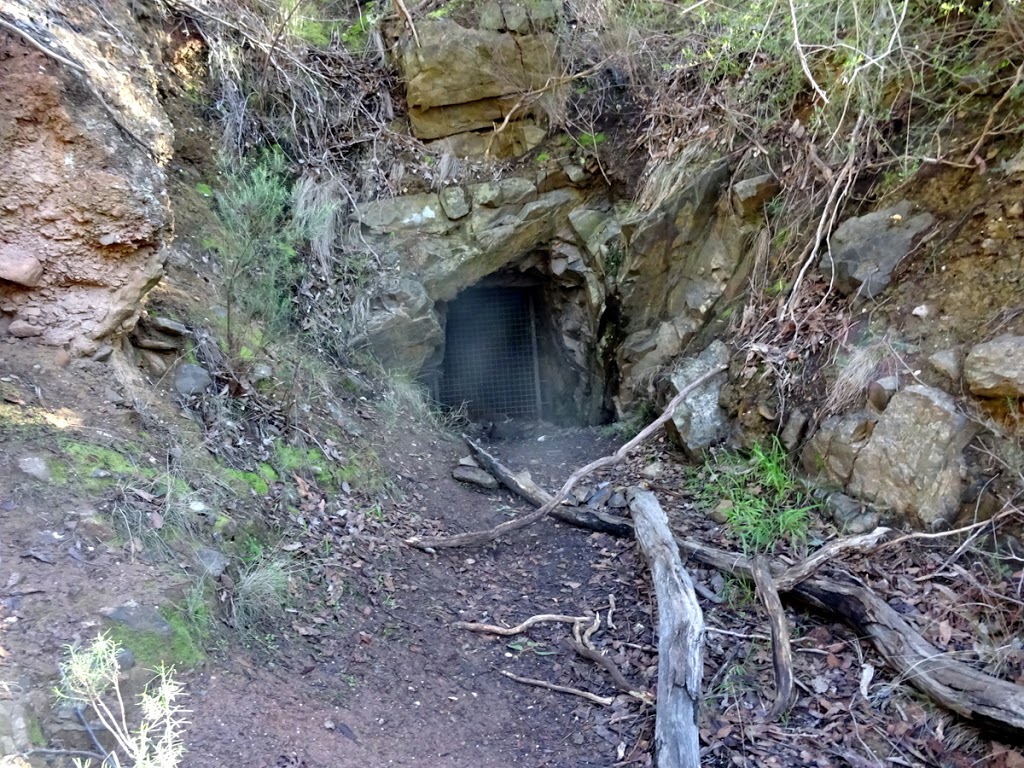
490	361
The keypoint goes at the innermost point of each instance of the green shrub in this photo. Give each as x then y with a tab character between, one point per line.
259	237
89	674
759	497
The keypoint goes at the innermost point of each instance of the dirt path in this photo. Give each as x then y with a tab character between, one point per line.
394	684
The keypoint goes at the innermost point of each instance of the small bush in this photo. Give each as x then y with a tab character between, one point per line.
261	594
759	497
259	238
90	674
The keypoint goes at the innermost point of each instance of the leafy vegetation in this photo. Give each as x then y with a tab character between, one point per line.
758	496
258	240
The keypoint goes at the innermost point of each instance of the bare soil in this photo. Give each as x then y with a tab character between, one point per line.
366	667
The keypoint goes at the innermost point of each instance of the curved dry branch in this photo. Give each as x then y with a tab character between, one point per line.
475	538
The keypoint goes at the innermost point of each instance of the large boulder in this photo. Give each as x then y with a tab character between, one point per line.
913	459
699	421
683	257
460	80
404	330
831	453
996	368
865	250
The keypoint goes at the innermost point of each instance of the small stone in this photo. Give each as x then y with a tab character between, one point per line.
261	372
468	461
166	325
125	659
454	203
103	354
843	508
474	476
19	266
61	358
720	514
988	245
35	466
1015	211
878	396
192	380
154	362
94	526
213	561
947	362
653	471
618	501
863	523
112	396
141	618
996	368
922	311
23	330
156	344
794	429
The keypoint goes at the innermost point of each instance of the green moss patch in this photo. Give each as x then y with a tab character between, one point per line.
96	467
182	650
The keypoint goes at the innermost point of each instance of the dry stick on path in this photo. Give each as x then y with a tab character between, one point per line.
494	629
782	652
604	701
475	538
680	637
522	485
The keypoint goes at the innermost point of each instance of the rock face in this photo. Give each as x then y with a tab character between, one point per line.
996	368
912	461
684	255
866	249
83	213
459	80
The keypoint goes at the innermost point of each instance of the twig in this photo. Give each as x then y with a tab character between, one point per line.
63	753
618	679
992	112
782	653
800	54
475	538
408	18
520	628
40	47
806	567
604	701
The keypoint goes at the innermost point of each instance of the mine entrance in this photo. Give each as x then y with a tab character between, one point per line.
490	360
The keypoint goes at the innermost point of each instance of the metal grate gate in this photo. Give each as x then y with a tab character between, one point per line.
490	360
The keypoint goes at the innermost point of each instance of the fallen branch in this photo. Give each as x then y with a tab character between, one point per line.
618	679
604	701
475	538
493	629
984	700
680	637
782	652
806	567
522	485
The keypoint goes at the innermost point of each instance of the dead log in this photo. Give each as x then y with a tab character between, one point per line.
782	653
985	701
680	637
981	699
475	538
522	485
